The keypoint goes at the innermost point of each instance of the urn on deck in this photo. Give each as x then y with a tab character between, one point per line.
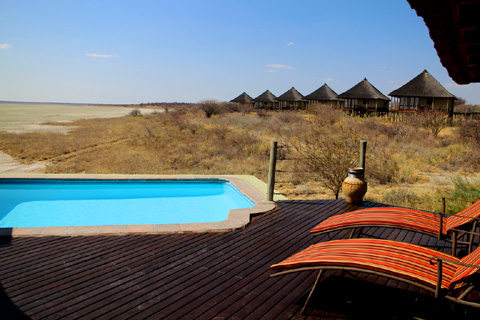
354	186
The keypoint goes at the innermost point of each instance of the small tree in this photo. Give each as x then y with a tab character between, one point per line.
327	151
459	101
211	107
135	113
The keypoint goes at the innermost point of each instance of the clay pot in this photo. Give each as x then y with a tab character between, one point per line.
354	186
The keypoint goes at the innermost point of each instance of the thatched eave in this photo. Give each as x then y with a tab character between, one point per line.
454	26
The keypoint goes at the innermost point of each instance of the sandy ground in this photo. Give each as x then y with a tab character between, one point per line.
30	117
10	165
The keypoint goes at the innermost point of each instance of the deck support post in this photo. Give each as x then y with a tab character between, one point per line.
363	151
271	171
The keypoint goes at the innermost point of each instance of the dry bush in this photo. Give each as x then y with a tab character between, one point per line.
236	107
469	131
384	165
220	131
262	113
88	134
459	157
432	121
288	117
404	197
378	127
329	115
156	144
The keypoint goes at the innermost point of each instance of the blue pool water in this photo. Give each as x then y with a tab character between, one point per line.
43	203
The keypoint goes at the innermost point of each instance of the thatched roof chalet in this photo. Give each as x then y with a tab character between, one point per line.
324	95
363	90
243	98
267	96
292	99
265	100
422	92
291	95
454	27
423	85
364	97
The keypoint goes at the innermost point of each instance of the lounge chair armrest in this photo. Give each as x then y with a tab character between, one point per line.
434	261
454	199
466	232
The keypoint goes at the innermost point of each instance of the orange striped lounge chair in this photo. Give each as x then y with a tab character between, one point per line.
450	228
444	275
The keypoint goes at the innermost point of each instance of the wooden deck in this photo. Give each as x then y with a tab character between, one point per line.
203	275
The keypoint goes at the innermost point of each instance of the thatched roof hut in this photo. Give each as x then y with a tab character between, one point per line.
454	28
364	97
291	99
244	98
265	100
323	95
420	93
423	85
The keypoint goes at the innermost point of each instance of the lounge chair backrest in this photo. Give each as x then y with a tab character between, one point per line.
464	216
462	274
398	259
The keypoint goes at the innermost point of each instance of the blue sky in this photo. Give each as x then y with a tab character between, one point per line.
186	50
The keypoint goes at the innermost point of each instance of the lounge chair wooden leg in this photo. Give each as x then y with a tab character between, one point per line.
311	291
454	243
439	278
352	233
466	292
471	236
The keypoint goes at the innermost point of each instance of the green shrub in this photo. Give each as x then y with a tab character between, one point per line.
464	190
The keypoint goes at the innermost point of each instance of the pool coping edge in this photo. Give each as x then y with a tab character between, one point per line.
237	218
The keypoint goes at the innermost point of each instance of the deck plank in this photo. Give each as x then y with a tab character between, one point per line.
182	276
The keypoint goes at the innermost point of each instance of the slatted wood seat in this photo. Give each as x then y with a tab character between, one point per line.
408	219
445	275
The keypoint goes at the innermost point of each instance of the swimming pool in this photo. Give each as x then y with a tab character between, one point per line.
57	204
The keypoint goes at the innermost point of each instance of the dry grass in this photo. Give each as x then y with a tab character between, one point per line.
400	156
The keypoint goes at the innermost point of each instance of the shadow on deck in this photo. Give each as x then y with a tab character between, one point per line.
205	275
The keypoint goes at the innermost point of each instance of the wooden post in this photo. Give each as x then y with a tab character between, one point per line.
363	151
442	214
271	171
